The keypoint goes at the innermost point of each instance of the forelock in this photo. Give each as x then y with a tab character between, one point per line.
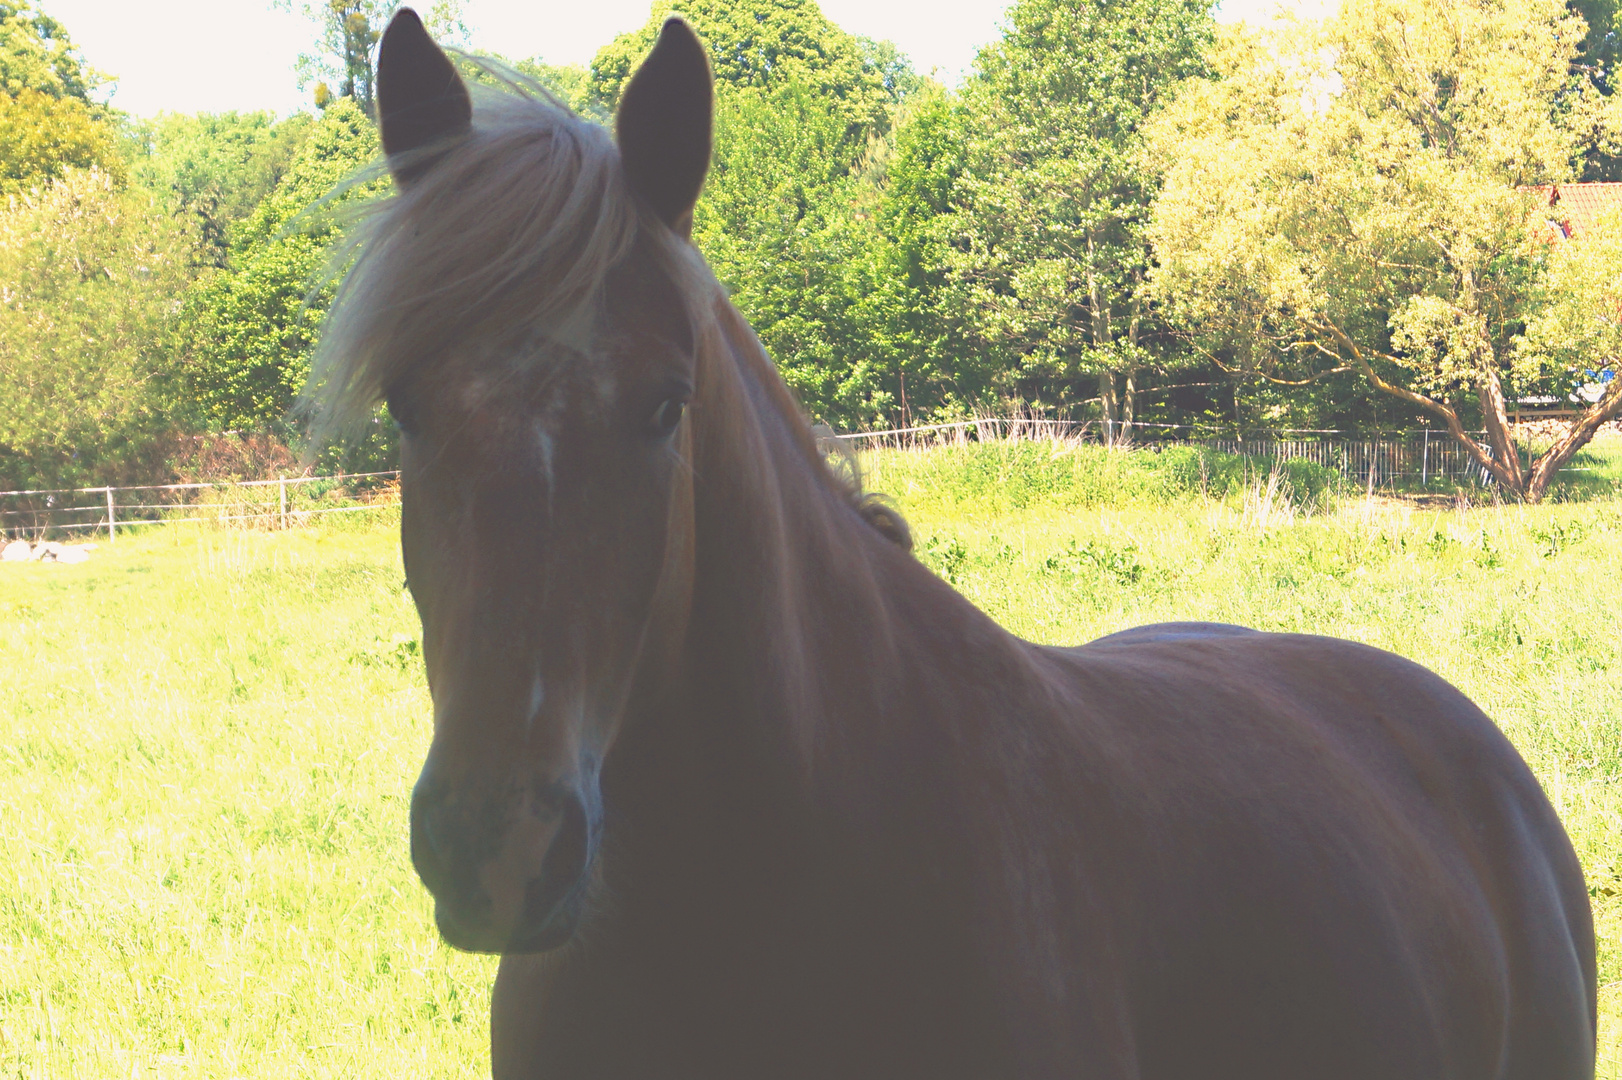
512	231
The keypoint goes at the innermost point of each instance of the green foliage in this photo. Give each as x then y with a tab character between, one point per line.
570	82
250	329
1353	197
1097	558
42	137
48	122
917	330
343	63
1572	339
1006	477
37	54
88	277
786	219
758	44
776	224
216	167
1058	194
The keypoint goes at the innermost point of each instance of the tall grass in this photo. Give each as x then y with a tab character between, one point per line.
211	733
998	477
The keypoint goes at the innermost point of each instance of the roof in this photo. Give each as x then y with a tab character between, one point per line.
1576	208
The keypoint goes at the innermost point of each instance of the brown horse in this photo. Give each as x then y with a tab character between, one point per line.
743	792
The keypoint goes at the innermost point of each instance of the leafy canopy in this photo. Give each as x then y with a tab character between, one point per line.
759	44
252	327
1055	192
43	137
48	121
37	54
1355	196
215	168
90	273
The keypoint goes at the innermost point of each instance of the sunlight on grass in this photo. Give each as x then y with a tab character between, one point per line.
213	733
212	736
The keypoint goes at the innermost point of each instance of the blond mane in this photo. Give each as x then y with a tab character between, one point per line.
498	252
505	241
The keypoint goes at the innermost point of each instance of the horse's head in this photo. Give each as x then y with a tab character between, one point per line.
547	512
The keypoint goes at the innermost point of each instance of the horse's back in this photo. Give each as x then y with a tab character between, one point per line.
1342	867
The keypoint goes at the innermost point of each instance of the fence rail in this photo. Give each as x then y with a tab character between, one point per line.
275	503
1421	455
1415	455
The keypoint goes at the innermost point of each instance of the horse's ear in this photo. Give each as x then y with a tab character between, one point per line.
421	100
665	125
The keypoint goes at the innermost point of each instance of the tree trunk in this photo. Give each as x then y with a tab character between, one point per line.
1103	336
1506	471
1577	436
1129	404
1496	417
1106	398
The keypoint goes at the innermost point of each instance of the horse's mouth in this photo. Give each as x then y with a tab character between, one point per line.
529	897
472	933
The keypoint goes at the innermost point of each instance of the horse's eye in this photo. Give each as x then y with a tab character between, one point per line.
668	415
400	413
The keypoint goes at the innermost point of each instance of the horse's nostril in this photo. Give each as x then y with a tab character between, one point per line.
430	848
423	855
564	864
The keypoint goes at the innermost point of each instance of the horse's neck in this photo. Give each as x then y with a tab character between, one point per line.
801	808
831	648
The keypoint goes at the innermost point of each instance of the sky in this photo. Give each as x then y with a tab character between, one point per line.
220	55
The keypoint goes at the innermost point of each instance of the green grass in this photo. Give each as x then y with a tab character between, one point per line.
211	734
210	739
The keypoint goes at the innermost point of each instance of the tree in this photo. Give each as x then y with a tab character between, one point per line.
775	222
250	329
344	61
916	328
37	54
570	82
48	121
758	44
1058	194
1573	339
215	168
799	105
43	137
88	277
1354	197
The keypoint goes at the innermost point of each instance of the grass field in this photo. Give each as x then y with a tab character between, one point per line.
211	734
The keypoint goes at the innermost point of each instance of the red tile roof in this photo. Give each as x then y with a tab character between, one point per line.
1577	208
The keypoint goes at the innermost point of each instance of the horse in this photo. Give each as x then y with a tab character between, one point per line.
738	788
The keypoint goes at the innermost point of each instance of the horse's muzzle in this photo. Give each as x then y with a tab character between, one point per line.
507	876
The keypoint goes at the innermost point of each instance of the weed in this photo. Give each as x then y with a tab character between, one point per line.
1557	536
947	555
1099	558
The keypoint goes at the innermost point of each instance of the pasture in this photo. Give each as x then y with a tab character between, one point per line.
212	733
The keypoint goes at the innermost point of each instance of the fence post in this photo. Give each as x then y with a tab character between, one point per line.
1425	462
281	491
110	524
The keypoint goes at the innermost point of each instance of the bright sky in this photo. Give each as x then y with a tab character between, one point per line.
218	55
